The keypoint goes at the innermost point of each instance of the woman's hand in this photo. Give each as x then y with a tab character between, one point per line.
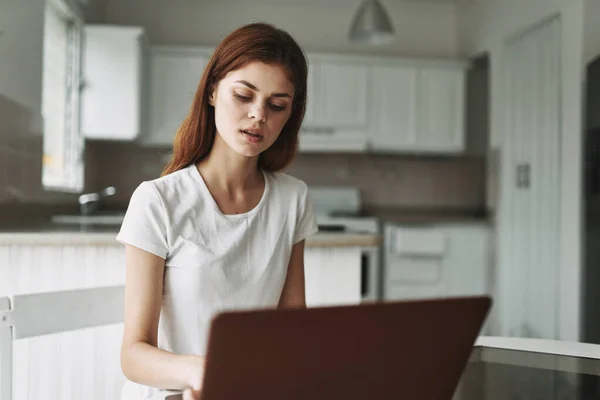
194	377
190	394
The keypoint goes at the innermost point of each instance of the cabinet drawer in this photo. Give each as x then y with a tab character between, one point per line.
407	292
415	270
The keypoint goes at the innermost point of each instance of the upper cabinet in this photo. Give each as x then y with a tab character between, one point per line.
441	109
418	108
354	103
337	112
174	74
394	124
113	82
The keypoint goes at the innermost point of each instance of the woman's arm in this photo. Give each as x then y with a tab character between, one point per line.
141	361
293	290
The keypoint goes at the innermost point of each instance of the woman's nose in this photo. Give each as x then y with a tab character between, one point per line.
258	112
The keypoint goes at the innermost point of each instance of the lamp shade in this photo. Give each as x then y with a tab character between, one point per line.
371	24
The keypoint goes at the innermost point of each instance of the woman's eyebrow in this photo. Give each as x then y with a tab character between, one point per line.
253	87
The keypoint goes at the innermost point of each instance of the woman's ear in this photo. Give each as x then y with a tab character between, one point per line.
212	96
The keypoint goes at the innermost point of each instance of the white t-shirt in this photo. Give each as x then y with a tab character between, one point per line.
214	262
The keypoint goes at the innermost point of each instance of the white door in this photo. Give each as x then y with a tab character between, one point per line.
174	78
441	109
394	108
527	302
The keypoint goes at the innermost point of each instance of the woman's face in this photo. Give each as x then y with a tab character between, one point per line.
252	105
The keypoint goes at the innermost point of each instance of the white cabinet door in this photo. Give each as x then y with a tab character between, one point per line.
343	95
418	108
332	276
337	112
112	82
47	366
310	116
174	77
436	261
394	108
441	109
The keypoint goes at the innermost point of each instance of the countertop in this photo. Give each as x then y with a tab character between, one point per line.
52	234
32	225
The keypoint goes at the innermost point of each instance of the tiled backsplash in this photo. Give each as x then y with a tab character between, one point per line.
389	181
20	151
385	181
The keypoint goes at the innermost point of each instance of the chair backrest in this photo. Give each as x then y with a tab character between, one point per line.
30	315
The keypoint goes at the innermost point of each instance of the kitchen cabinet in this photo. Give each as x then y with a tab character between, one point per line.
394	108
113	90
333	276
54	362
441	109
418	108
337	105
174	74
354	103
91	356
438	260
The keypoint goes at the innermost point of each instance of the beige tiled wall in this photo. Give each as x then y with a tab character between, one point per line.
385	181
20	151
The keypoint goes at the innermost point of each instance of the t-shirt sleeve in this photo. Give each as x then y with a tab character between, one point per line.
145	223
306	224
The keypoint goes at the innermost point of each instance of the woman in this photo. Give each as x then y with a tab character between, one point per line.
221	229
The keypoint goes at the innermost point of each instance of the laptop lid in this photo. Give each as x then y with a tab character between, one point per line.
410	350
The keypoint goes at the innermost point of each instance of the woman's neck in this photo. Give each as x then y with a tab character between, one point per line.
230	171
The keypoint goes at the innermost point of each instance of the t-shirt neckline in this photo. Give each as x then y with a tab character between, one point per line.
198	177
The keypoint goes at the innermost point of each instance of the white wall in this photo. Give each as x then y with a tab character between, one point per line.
21	48
484	25
422	29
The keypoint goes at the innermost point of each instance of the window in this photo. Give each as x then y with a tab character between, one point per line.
63	143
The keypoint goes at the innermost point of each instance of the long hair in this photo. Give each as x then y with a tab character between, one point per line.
254	42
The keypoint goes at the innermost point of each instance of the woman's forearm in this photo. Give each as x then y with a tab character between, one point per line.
147	365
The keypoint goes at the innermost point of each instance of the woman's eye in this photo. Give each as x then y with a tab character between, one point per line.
275	107
241	97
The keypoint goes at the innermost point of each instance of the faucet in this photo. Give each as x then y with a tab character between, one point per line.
89	202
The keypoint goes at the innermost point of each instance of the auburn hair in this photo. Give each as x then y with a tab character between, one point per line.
253	42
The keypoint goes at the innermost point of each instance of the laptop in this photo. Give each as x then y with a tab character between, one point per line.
396	350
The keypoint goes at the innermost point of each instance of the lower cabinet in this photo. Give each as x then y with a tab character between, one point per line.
85	364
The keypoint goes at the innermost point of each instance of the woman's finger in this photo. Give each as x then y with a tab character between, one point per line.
190	394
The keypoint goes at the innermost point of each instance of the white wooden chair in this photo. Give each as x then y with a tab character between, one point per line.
30	315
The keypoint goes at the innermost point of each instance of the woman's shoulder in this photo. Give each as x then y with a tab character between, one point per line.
166	189
288	184
166	183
